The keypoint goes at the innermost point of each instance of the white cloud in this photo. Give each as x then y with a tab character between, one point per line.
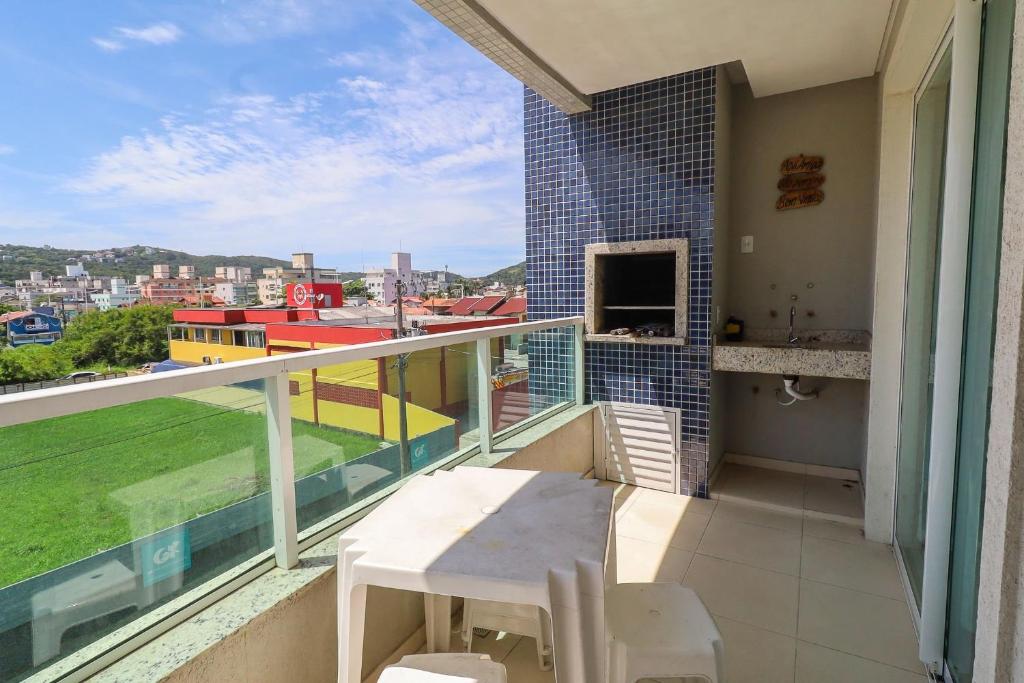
163	33
156	34
253	20
6	149
108	45
349	59
426	149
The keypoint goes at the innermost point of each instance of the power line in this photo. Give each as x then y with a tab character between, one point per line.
25	463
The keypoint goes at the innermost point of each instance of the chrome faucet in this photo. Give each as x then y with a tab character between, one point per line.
793	339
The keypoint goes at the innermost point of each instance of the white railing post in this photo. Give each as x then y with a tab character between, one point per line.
577	356
282	470
483	374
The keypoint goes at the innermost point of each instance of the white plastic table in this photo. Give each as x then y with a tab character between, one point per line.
537	538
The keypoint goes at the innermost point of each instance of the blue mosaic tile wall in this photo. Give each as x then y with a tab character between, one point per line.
638	166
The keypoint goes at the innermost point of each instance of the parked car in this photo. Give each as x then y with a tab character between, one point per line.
81	374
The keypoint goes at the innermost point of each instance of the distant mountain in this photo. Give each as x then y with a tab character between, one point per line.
17	260
512	276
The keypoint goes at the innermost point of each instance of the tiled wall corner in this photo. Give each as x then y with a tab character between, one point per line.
638	166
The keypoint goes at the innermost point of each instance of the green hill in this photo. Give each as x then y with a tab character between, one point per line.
17	260
513	275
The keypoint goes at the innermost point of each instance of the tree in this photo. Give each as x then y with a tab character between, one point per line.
120	336
357	288
32	363
4	308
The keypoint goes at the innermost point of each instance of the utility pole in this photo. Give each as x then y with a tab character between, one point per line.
402	363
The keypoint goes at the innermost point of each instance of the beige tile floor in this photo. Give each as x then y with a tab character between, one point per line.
798	596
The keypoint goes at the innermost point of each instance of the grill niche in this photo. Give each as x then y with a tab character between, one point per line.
637	289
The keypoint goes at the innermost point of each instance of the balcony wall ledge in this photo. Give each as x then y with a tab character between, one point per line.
254	634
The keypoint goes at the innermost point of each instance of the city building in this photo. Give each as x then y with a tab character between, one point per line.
73	291
37	326
233	273
120	295
271	288
161	272
359	396
237	293
381	282
186	272
176	290
512	307
439	306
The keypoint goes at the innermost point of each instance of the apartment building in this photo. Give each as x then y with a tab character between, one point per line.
272	287
233	273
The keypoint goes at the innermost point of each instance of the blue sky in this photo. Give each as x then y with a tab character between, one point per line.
258	126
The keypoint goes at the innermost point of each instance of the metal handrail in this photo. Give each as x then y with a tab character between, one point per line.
274	370
59	401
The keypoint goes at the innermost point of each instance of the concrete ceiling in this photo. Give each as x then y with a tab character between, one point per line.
783	45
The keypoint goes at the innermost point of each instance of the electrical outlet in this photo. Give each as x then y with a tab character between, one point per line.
747	244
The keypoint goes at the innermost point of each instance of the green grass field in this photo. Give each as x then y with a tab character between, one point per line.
76	485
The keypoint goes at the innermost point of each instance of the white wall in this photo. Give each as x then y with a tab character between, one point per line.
830	245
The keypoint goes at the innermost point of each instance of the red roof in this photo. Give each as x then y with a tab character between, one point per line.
416	310
486	304
439	303
13	315
464	305
514	306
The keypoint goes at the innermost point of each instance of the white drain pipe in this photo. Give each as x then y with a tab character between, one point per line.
792	389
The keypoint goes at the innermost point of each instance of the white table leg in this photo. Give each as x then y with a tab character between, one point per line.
438	612
351	624
570	651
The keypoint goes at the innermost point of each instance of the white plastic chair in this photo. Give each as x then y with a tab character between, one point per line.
104	590
660	630
523	620
444	668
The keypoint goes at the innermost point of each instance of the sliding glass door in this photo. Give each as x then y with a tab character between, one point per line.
952	270
979	329
920	318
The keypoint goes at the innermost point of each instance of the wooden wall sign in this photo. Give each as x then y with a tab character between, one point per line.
801	182
797	199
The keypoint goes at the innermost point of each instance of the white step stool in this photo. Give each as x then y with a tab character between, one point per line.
523	620
660	630
444	668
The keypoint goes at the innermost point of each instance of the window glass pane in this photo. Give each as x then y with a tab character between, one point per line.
920	319
347	424
111	513
200	334
530	374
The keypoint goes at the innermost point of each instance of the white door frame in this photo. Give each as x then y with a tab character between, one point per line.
956	218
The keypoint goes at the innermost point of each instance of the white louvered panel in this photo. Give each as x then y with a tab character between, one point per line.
641	445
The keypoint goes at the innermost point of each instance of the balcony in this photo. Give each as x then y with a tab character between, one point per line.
188	523
146	499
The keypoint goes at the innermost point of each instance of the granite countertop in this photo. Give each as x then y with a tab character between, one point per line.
844	354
